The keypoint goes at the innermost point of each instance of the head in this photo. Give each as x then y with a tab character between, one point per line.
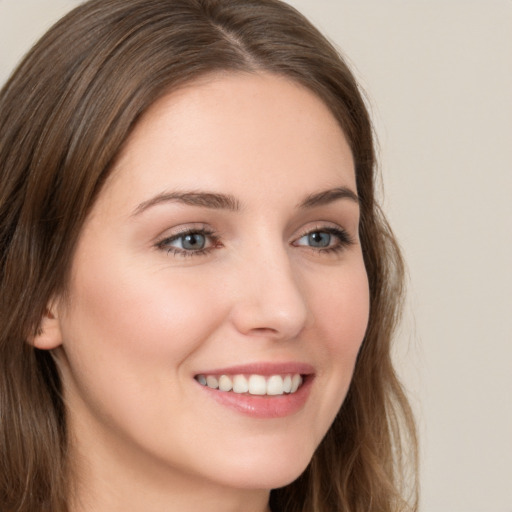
68	114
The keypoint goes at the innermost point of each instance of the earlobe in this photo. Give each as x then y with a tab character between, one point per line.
48	334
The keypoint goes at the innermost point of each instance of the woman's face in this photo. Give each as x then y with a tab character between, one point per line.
224	247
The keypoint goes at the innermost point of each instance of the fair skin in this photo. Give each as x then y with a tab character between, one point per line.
213	245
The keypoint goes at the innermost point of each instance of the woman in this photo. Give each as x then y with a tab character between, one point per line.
198	289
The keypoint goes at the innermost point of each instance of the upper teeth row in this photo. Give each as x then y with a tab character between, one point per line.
254	384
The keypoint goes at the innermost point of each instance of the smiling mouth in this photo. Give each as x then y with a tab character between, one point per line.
259	385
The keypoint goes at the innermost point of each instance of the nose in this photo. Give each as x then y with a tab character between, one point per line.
269	300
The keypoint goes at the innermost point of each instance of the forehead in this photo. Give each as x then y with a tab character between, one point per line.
228	130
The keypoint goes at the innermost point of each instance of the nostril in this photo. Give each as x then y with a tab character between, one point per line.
265	331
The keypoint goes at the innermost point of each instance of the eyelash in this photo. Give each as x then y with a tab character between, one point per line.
344	241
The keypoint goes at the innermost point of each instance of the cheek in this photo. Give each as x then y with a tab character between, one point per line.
128	336
341	310
338	301
143	313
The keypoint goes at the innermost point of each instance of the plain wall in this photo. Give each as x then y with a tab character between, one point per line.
439	78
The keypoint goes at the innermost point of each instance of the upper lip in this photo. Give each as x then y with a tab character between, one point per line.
262	368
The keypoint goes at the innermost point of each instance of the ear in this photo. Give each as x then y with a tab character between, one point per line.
48	335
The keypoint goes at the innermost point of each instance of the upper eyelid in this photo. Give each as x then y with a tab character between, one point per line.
329	226
206	229
173	233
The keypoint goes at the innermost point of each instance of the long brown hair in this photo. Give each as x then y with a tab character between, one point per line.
65	113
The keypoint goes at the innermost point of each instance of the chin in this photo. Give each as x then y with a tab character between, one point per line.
277	470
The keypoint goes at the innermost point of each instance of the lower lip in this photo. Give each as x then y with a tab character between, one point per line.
276	406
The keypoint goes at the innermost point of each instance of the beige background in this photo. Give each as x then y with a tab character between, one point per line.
439	78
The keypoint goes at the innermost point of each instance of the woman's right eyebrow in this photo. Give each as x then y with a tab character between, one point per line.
193	198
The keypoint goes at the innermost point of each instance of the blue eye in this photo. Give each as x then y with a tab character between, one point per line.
318	239
189	243
325	240
192	241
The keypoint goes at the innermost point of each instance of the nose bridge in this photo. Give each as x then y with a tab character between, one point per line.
270	299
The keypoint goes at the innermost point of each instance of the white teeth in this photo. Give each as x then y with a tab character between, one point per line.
296	382
240	384
254	384
225	383
212	382
275	385
257	385
287	384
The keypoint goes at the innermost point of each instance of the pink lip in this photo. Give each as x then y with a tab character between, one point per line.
262	369
264	407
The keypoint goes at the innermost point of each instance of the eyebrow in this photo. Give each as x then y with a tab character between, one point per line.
202	199
329	196
229	202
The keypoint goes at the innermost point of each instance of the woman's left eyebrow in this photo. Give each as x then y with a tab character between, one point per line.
328	196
